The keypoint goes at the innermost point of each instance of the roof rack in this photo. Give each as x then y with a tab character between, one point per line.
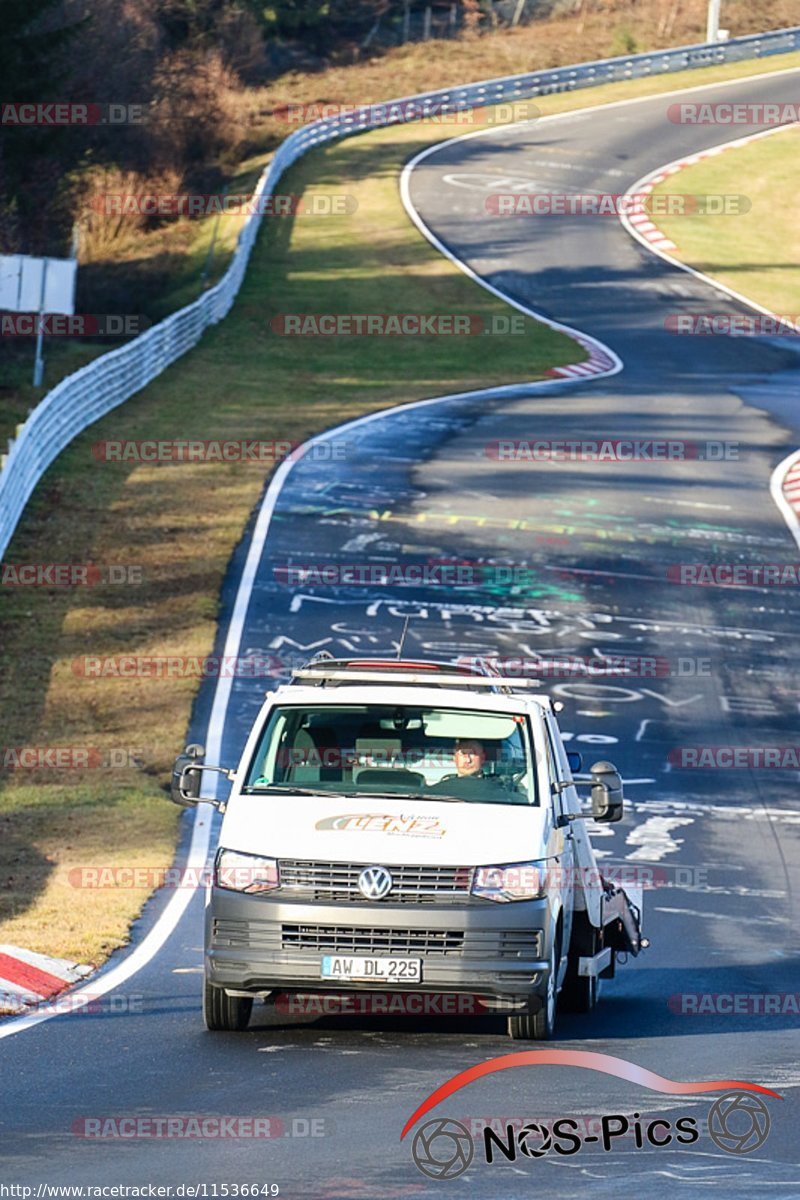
336	671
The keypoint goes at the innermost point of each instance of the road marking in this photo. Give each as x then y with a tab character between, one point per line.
687	503
733	812
654	839
715	916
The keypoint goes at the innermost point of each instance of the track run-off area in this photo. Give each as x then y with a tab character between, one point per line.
598	552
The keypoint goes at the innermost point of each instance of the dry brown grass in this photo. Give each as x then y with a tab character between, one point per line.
607	28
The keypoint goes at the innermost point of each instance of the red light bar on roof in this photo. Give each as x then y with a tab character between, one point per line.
405	664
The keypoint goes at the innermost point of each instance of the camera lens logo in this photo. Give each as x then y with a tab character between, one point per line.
442	1149
534	1140
738	1122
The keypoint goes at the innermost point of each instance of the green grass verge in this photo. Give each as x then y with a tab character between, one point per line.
757	253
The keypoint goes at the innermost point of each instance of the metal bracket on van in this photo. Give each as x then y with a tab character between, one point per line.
596	964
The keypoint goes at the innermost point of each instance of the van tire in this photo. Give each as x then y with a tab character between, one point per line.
540	1026
223	1013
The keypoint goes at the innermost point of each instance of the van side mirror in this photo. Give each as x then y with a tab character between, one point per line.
607	799
187	777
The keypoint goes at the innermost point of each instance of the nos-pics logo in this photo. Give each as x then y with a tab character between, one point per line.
738	1122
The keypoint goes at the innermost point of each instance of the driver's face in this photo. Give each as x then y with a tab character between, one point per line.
469	758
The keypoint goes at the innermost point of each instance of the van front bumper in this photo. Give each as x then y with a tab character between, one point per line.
262	943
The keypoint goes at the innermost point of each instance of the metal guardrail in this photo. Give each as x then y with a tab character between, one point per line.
98	388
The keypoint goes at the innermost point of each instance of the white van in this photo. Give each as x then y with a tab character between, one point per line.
401	826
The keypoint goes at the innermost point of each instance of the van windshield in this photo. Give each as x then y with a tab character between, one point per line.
466	755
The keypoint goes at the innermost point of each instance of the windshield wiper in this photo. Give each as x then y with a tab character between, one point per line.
413	796
297	791
305	791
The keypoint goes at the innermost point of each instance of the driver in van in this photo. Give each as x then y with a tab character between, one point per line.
470	782
469	757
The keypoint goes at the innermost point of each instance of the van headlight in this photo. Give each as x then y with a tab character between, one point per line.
246	872
513	881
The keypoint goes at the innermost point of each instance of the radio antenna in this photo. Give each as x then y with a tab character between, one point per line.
403	638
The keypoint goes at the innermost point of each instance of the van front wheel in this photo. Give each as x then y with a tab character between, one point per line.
540	1026
223	1013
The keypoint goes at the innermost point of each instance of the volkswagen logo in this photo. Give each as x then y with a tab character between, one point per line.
374	883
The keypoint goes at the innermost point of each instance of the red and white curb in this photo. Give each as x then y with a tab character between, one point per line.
598	363
785	490
791	486
27	978
641	223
